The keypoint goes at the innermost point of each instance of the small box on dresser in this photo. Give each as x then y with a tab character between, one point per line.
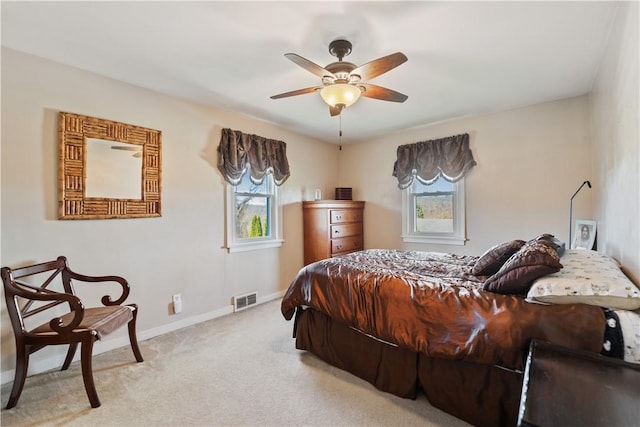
332	227
343	193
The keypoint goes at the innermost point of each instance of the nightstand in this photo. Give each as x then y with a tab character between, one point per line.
564	387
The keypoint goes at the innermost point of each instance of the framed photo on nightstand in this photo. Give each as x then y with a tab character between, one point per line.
584	235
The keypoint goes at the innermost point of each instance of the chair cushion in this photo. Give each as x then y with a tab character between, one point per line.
103	320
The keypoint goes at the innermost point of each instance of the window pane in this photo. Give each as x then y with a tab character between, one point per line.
252	217
246	186
439	185
434	214
434	207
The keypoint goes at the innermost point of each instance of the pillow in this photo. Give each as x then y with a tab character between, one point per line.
535	259
560	247
630	324
490	262
588	277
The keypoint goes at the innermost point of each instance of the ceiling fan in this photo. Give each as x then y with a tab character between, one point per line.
344	82
136	148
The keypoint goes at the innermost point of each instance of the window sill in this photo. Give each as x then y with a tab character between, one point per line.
253	246
438	240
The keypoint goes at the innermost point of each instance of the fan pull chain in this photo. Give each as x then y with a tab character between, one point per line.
340	134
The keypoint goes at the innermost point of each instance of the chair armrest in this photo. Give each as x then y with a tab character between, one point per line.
106	299
38	294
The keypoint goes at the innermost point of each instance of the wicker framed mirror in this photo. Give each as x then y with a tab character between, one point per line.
107	169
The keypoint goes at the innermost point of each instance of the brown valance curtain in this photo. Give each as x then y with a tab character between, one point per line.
448	157
238	150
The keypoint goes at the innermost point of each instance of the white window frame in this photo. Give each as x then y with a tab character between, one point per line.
233	244
457	237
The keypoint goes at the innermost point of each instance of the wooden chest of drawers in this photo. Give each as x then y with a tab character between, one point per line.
332	227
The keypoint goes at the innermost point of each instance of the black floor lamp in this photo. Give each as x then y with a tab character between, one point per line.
571	208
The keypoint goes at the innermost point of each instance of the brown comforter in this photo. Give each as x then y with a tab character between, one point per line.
430	302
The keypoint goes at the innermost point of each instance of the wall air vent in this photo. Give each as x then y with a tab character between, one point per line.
240	302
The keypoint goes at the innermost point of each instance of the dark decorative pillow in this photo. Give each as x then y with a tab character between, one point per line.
494	257
535	259
559	245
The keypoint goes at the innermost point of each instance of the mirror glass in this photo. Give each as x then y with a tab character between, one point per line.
114	169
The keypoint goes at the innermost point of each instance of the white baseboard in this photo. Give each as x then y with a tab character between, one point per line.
55	362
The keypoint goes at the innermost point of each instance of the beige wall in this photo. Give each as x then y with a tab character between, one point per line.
181	252
529	163
616	142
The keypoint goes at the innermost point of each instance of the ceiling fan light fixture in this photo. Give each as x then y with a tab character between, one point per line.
340	94
343	82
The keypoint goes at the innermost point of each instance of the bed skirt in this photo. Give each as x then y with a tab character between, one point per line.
482	395
388	368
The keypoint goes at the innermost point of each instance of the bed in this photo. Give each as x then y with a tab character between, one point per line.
456	326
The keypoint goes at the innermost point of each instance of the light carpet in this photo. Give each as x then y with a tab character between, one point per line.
238	370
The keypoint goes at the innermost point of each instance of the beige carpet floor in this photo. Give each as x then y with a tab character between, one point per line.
237	370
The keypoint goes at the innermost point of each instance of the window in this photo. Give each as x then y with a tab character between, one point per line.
253	215
434	213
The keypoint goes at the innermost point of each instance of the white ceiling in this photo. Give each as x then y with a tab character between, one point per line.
465	58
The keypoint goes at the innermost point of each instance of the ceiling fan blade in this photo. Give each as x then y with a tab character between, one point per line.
379	66
296	92
379	92
133	148
309	66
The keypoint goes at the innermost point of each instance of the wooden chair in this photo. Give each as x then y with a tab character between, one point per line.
79	326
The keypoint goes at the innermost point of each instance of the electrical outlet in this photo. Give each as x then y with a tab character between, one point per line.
177	304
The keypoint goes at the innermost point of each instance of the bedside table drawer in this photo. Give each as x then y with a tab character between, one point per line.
346	244
338	231
347	215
